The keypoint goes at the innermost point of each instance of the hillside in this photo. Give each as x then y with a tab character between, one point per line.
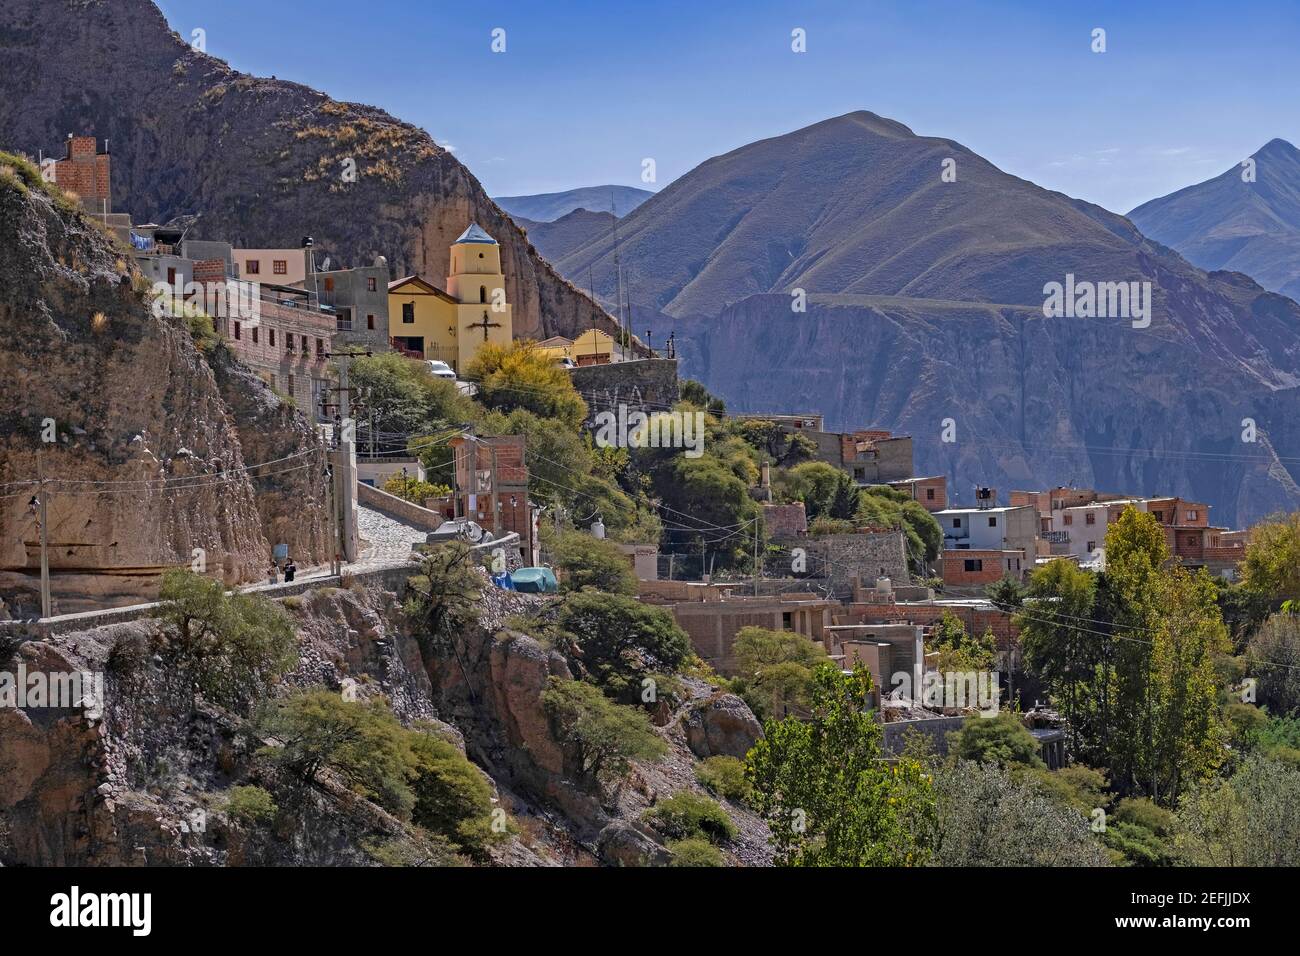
925	301
1229	223
547	207
555	240
259	161
154	436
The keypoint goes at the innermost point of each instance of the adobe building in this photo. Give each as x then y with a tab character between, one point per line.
85	170
932	492
476	497
278	266
869	456
426	322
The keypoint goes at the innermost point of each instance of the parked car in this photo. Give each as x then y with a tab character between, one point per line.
535	580
565	362
457	529
441	369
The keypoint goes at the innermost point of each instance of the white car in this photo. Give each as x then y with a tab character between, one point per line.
565	362
441	369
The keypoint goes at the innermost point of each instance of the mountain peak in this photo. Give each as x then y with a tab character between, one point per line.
1277	147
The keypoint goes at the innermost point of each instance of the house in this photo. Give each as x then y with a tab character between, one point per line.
491	482
869	456
932	492
85	170
359	300
1002	535
426	322
278	266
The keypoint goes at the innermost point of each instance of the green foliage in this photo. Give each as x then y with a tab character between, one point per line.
816	484
823	525
1078	787
521	376
1249	819
1008	594
724	777
232	646
604	736
780	446
775	670
959	651
883	506
1271	564
414	773
825	791
693	393
685	815
1273	657
203	332
694	851
592	562
1001	739
412	489
251	804
444	596
618	641
406	397
1138	845
992	815
1145	813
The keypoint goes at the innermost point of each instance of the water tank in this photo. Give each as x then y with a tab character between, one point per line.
884	585
598	529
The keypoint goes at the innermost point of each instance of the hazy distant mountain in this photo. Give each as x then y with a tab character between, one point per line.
547	207
554	240
1229	223
925	302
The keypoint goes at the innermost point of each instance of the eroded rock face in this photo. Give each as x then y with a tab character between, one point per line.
622	844
723	725
260	160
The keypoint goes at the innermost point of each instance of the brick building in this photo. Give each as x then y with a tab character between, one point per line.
977	568
85	171
475	459
931	492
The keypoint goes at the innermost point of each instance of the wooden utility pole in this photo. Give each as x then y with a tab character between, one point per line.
331	477
46	602
756	557
496	497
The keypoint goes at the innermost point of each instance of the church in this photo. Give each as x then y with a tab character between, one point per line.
453	325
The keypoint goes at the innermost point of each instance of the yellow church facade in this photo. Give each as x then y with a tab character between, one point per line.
452	326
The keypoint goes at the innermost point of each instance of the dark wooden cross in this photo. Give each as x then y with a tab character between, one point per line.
484	325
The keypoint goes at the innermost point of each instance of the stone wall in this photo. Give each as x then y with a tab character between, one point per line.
647	385
832	561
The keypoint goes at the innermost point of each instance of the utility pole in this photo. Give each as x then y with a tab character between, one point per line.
335	566
46	610
496	497
755	557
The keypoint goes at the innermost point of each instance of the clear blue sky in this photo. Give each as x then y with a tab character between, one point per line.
586	90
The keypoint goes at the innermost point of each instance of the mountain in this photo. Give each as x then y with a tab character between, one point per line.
547	207
554	240
925	301
1230	223
260	162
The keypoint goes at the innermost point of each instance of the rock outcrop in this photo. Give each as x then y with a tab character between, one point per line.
259	161
723	726
146	468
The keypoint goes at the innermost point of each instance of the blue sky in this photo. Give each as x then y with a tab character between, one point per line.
586	90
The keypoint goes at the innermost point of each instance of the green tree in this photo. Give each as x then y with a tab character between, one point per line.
453	798
1249	819
231	646
693	393
825	791
619	641
775	670
603	736
405	397
593	562
959	651
1271	564
1273	657
412	489
999	739
444	596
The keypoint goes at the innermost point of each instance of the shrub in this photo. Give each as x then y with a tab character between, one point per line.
694	852
251	804
445	595
685	815
605	736
593	562
232	645
452	797
1002	739
724	777
1145	813
620	641
775	670
412	489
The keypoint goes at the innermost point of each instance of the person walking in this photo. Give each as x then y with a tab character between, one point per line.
273	573
290	569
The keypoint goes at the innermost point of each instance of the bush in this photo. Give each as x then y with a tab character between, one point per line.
604	736
593	562
1002	739
685	815
724	777
232	645
452	797
694	852
412	489
251	804
619	641
1144	813
775	670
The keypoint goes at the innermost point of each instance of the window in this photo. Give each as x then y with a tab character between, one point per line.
270	337
252	267
288	342
255	335
929	494
370	284
1069	519
956	522
408	312
329	283
1092	545
291	385
786	620
304	345
236	330
171	275
1191	516
1090	517
1160	516
280	267
320	348
482	293
974	564
993	521
370	321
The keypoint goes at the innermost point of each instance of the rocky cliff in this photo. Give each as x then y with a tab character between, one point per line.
146	467
261	162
